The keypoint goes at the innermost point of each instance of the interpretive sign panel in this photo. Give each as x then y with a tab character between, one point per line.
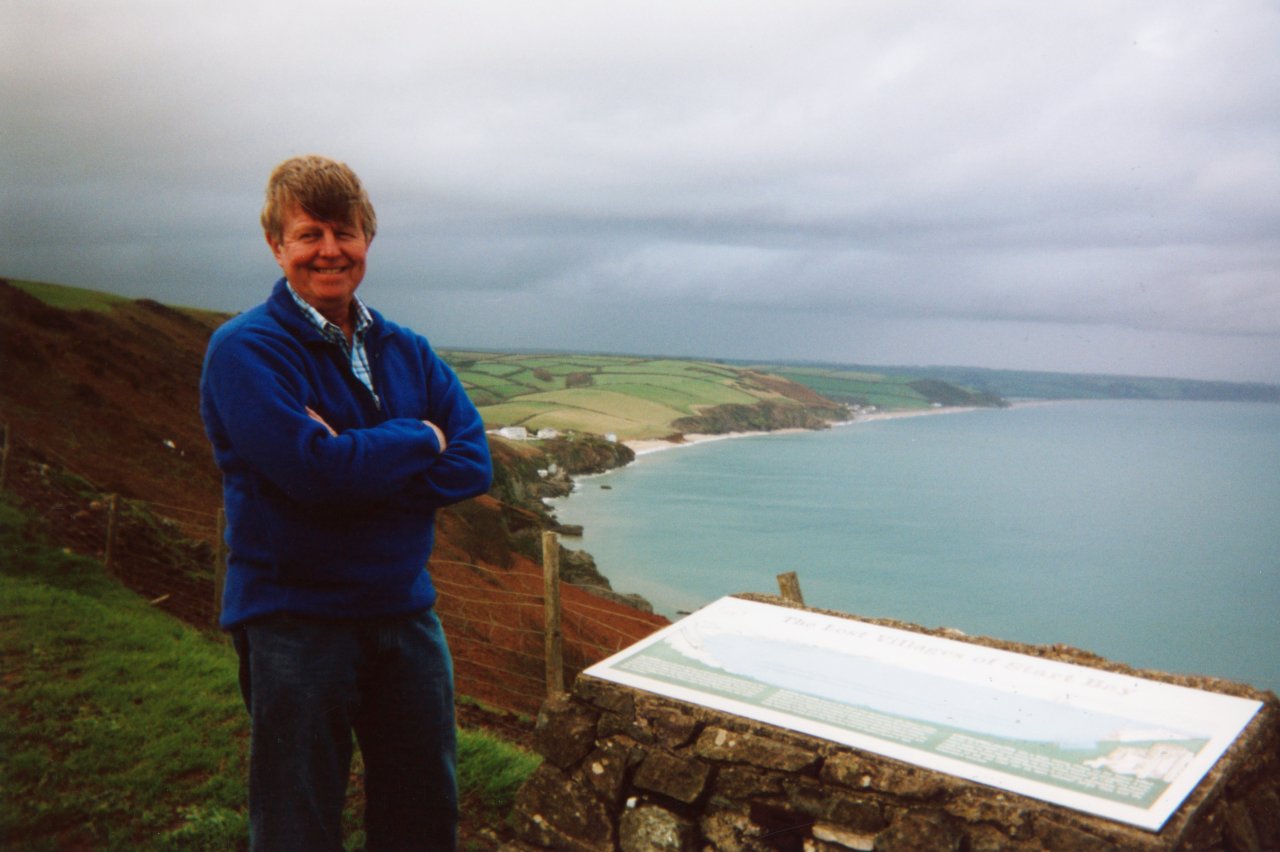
1117	746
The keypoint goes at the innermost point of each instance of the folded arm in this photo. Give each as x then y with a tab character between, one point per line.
261	401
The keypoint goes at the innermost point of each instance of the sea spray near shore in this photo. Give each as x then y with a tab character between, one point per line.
1140	530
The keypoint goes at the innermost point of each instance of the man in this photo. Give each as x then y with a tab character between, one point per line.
338	434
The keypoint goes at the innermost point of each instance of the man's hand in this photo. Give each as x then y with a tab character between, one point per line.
321	421
439	434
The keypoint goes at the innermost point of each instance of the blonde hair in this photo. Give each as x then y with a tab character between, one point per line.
325	189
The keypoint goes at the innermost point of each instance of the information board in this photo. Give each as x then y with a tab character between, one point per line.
1113	745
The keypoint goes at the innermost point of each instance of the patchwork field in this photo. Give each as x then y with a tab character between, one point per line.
631	397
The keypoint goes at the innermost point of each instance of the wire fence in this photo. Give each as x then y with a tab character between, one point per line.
148	547
496	619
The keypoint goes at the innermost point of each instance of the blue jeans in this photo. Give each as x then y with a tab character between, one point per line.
308	684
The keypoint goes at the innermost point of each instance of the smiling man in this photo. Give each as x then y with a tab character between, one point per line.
339	434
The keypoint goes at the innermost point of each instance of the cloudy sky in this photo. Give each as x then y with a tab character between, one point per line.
1076	185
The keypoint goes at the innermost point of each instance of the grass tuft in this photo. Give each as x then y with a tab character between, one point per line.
490	771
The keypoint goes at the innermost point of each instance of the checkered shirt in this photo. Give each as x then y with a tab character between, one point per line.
354	351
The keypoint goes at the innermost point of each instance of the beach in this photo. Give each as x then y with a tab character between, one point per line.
646	446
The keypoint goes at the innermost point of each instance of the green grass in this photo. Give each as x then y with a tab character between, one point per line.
122	728
633	397
490	771
586	409
69	298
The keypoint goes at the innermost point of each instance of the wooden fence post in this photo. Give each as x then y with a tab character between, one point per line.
551	597
113	505
789	586
4	457
219	565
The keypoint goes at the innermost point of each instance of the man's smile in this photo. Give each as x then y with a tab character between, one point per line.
324	261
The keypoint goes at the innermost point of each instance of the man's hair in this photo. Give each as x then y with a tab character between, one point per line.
325	189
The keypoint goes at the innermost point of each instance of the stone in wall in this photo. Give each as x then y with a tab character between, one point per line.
629	770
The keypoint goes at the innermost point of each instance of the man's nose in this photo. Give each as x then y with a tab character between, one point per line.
329	243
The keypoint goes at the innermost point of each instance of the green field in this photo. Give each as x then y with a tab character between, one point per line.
631	397
81	299
69	298
637	398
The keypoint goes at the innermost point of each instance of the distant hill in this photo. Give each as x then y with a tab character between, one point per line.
1025	384
886	390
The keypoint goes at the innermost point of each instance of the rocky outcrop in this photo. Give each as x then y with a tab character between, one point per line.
765	416
579	568
629	770
526	473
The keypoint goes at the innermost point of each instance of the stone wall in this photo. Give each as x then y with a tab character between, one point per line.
625	769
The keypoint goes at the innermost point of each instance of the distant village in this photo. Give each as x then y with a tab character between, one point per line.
520	433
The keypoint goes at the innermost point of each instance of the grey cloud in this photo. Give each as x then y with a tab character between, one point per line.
929	178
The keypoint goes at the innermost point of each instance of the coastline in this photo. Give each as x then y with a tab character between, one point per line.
644	447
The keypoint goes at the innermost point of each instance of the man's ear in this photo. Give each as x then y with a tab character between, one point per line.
274	245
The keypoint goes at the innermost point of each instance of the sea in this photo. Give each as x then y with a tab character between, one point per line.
1144	531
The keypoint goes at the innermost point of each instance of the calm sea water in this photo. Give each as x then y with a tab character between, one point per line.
1148	532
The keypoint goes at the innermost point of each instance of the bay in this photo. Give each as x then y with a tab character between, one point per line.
1146	532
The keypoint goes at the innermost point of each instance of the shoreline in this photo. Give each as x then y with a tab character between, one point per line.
643	447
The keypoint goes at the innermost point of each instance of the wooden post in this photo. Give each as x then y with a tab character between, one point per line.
4	457
551	597
113	505
789	586
219	565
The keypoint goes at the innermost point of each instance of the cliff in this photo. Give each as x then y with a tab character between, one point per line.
764	416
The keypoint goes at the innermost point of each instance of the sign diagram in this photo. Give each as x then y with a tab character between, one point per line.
1113	745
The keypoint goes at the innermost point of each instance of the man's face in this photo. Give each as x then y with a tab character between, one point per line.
324	261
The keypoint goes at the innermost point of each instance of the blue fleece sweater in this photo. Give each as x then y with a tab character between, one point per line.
333	526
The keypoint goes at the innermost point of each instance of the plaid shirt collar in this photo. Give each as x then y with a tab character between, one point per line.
329	330
355	351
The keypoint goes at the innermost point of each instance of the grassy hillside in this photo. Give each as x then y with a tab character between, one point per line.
630	397
122	727
70	298
109	386
882	390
